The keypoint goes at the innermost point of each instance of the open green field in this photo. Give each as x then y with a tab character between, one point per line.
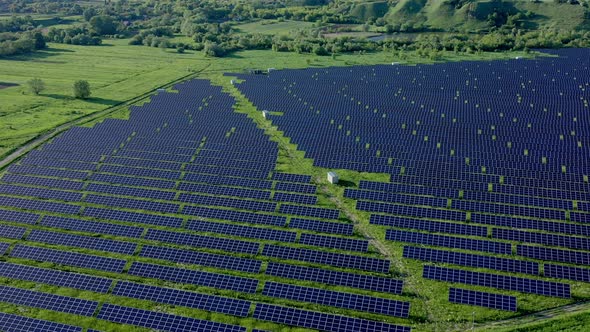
273	27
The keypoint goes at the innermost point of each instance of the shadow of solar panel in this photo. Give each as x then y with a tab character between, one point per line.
130	203
194	277
226	191
426	225
47	301
91	226
309	211
550	254
203	241
412	211
327	258
32	170
288	177
532	286
241	231
40	193
322	226
566	272
296	187
200	258
132	181
448	241
57	278
161	321
228	202
43	182
482	299
134	217
337	299
81	241
231	215
14	323
183	298
12	232
29	204
321	321
128	191
459	258
334	242
19	217
542	238
378	284
549	226
69	258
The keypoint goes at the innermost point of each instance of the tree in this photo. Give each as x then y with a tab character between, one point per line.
82	89
36	85
104	25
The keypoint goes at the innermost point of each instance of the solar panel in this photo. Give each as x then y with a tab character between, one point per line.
295	198
295	187
408	188
203	241
40	193
327	258
43	182
134	217
161	321
91	226
253	218
322	226
550	254
228	202
514	222
14	323
309	211
131	203
200	258
194	277
448	241
132	181
321	321
227	180
427	225
226	191
130	191
566	272
183	298
32	170
53	302
12	232
337	299
30	204
69	258
52	277
411	211
394	198
334	242
287	177
524	285
3	247
19	217
463	259
360	281
542	238
82	242
242	231
482	299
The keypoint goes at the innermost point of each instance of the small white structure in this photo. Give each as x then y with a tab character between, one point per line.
332	177
270	69
265	114
395	63
232	82
161	90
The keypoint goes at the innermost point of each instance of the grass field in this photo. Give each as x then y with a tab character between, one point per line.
273	27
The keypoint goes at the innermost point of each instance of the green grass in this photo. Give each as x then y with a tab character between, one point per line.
273	27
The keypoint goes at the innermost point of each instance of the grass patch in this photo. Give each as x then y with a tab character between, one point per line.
273	27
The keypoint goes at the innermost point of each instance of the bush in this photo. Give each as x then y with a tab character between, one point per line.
82	89
36	85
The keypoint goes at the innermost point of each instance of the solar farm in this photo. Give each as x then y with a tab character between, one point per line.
463	199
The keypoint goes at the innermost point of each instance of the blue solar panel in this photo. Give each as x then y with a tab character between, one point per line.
360	281
411	211
91	226
337	299
129	191
448	241
334	242
69	258
43	182
227	180
407	188
59	303
32	170
134	217
14	323
542	238
309	211
40	193
394	198
82	242
39	205
241	231
322	226
203	241
161	321
566	272
200	258
287	177
183	298
320	321
248	217
514	222
508	209
431	226
12	232
482	299
296	187
52	277
19	217
228	202
295	198
226	191
550	254
459	258
194	277
3	247
327	258
524	285
132	181
132	203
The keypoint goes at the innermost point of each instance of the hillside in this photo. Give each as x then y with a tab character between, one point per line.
475	15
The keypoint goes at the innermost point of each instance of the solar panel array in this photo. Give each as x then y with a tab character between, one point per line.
10	322
482	299
59	303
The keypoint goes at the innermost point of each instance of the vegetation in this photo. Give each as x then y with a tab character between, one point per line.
36	85
82	89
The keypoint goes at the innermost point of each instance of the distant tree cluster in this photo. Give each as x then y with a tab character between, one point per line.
20	43
78	35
